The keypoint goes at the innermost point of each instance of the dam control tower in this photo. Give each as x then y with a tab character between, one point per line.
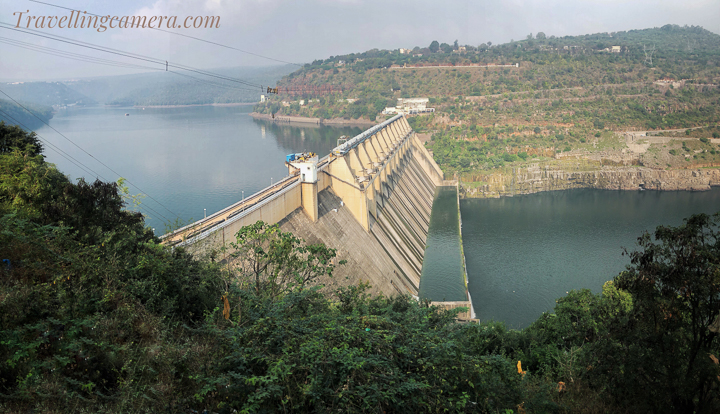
305	164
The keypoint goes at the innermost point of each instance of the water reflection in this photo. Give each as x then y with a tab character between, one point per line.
297	137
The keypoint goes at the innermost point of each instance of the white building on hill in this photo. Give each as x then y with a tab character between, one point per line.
410	106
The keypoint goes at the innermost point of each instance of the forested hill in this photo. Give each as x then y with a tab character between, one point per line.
530	100
672	45
545	62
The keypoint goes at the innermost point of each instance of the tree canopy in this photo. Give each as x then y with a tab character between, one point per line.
14	137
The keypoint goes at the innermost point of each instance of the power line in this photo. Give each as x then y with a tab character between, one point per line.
78	43
184	35
78	163
90	59
70	55
127	54
212	83
91	156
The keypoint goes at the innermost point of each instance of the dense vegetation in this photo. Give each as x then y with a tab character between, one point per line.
97	316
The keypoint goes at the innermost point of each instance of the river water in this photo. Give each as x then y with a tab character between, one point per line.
524	252
187	159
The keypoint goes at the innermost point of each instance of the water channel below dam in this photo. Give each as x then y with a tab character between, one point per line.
443	275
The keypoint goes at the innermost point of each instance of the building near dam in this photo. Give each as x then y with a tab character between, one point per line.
370	199
409	106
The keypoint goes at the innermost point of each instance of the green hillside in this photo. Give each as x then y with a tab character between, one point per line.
572	93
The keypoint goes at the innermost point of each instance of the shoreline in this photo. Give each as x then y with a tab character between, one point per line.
464	196
291	119
540	178
182	106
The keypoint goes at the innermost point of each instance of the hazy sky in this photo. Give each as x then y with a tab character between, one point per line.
304	30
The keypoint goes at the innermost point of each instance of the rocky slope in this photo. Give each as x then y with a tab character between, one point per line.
587	174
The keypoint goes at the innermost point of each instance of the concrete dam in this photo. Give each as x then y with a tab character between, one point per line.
370	199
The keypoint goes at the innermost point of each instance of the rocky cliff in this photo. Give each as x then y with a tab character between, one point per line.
586	174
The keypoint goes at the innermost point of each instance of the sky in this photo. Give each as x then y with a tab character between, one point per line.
302	31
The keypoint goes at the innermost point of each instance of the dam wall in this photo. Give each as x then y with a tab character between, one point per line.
371	201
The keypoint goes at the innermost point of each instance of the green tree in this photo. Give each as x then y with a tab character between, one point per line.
304	353
14	137
276	262
434	46
660	355
27	183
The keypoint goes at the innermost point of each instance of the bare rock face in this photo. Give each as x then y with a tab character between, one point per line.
537	177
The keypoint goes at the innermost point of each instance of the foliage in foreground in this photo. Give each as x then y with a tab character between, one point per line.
96	316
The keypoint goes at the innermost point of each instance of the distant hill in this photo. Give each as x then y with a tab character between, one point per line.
536	100
167	88
375	79
670	42
46	93
20	115
159	88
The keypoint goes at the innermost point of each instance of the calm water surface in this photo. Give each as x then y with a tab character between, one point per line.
524	252
189	158
442	273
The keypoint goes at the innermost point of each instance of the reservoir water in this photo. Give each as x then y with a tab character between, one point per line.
524	252
189	158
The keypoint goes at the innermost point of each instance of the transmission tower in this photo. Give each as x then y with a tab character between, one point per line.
648	55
